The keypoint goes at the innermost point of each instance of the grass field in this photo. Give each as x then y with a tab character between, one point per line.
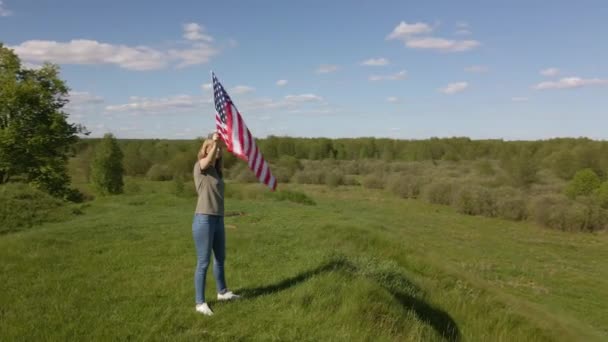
357	265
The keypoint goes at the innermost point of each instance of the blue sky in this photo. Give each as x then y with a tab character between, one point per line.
400	69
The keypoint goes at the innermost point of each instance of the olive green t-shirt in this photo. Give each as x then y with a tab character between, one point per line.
210	188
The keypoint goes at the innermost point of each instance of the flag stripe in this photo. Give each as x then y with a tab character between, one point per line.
239	140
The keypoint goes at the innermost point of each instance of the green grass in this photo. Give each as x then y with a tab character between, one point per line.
357	265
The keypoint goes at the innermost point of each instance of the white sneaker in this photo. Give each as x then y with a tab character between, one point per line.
204	309
228	295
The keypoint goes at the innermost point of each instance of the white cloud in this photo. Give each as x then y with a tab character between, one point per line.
90	52
242	89
207	86
477	68
303	98
3	11
570	82
327	68
281	83
83	98
166	105
412	35
463	28
392	99
375	62
441	44
194	31
549	72
82	51
519	99
293	103
199	53
404	30
401	75
463	32
454	88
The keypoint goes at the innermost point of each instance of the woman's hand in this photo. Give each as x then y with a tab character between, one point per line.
215	137
210	150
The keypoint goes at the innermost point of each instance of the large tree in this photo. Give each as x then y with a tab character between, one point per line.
35	137
107	169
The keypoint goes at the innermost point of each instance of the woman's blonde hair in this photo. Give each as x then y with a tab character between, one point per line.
203	151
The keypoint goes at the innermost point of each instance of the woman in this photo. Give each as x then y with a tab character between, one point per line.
208	224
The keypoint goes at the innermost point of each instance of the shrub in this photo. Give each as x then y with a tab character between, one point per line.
24	206
159	173
246	176
107	169
282	174
439	192
290	163
373	181
404	186
601	195
560	213
523	169
310	177
78	196
334	179
485	168
351	180
511	204
476	200
563	164
584	183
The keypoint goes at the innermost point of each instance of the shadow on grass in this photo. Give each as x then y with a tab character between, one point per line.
438	319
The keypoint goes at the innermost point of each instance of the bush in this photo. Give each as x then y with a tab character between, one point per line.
78	196
405	186
439	192
334	179
601	195
511	204
584	183
485	168
563	164
560	213
24	206
310	177
290	163
159	173
245	175
373	181
351	180
523	169
282	174
476	200
107	169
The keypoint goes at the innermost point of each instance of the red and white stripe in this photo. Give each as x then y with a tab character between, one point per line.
241	143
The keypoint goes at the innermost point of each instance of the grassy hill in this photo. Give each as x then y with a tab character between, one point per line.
357	265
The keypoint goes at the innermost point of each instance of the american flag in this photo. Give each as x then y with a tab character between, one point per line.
231	126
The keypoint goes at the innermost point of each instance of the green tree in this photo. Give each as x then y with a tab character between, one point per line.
35	137
107	169
584	183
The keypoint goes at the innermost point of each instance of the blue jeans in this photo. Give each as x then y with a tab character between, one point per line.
208	233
